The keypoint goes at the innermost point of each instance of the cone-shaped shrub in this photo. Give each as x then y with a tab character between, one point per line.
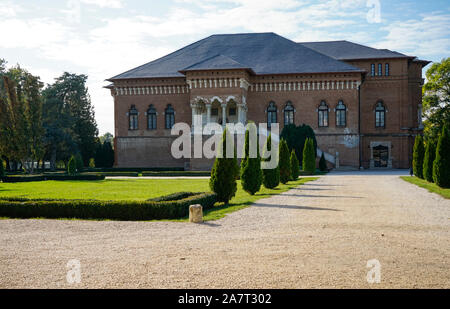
309	158
295	166
72	166
79	163
418	154
323	163
285	163
271	177
223	174
251	174
92	163
441	165
428	160
2	168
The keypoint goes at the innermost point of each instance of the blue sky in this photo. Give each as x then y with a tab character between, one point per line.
102	38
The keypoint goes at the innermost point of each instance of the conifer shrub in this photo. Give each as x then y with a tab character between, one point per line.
428	160
309	158
295	166
418	154
72	166
323	163
284	163
441	164
251	174
271	177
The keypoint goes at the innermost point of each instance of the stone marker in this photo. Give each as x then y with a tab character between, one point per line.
196	213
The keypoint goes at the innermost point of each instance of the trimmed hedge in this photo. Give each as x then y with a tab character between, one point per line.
114	174
14	179
96	209
137	169
177	174
173	197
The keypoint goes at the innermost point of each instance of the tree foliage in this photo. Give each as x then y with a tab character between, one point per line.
418	154
2	168
296	136
441	165
295	166
428	160
309	157
104	155
251	174
284	163
436	99
72	166
271	177
223	173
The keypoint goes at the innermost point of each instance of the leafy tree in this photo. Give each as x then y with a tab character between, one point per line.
21	132
75	128
418	154
295	166
430	154
271	177
107	137
72	166
223	173
284	163
323	163
79	163
296	136
309	158
2	168
251	174
436	99
441	165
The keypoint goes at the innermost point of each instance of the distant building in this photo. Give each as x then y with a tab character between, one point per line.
364	104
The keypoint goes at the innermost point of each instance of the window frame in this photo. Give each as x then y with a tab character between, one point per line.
152	115
381	112
380	69
372	69
386	69
133	118
289	111
341	108
323	110
169	112
271	110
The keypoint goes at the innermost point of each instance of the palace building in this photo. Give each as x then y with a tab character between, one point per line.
364	104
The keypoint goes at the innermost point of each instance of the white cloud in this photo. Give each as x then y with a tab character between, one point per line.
113	4
9	9
427	36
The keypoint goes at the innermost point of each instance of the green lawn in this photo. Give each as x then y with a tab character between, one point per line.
136	189
428	185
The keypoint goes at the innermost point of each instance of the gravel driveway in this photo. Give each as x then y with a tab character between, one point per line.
320	235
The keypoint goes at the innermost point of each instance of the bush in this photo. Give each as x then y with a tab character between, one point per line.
295	166
177	173
284	164
430	154
323	163
309	158
441	165
173	197
2	168
223	174
95	209
91	163
251	174
271	177
72	166
418	154
15	179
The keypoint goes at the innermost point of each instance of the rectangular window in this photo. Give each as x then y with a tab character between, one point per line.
379	119
380	69
323	118
288	117
133	122
340	118
152	122
372	69
386	70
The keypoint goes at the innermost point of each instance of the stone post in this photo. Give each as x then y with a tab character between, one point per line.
224	115
208	113
196	213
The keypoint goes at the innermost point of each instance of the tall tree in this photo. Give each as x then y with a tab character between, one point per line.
309	158
284	163
418	154
436	99
251	174
441	165
271	177
76	128
430	154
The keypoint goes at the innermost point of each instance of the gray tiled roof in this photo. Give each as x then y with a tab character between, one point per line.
345	50
264	53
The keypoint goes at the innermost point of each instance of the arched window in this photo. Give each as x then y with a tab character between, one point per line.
341	114
323	114
271	114
151	118
170	116
133	118
380	115
288	113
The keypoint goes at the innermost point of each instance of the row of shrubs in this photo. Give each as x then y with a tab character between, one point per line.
15	179
432	162
173	207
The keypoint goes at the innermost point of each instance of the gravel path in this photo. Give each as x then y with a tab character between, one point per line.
320	235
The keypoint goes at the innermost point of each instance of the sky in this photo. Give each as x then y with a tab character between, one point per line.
102	38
